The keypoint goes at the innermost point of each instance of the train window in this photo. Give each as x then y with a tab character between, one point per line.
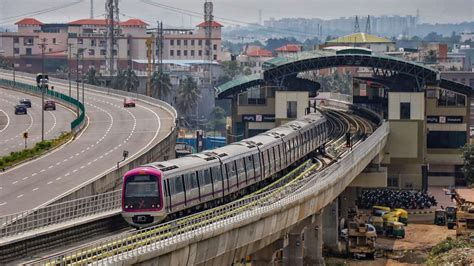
230	169
207	176
216	173
249	167
256	163
178	184
190	180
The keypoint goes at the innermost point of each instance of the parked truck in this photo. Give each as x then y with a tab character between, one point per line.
361	237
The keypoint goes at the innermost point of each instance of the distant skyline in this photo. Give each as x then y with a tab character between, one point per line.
233	12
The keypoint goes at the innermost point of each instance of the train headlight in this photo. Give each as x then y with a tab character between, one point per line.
153	205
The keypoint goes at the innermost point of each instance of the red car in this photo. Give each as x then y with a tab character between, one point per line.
128	102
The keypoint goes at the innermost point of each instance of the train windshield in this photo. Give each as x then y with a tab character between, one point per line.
141	192
141	186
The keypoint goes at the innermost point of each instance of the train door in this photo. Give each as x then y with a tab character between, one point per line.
257	166
231	175
205	184
192	188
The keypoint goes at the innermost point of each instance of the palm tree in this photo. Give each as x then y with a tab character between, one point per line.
131	81
160	84
92	77
188	95
117	81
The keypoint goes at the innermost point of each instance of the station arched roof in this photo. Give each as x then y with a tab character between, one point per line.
278	68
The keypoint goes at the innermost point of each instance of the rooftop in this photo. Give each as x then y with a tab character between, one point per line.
291	48
359	37
102	22
260	53
29	21
213	24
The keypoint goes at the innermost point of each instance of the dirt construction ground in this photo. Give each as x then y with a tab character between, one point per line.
411	250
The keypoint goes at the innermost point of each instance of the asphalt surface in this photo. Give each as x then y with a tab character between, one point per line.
111	129
12	126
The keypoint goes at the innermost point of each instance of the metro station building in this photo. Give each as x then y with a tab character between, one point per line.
428	115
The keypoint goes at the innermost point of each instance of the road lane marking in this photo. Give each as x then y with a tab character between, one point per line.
19	196
34	189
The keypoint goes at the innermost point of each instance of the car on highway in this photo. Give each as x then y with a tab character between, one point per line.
26	102
128	102
49	105
21	109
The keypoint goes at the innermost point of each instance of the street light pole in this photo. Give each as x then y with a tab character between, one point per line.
43	81
69	68
78	54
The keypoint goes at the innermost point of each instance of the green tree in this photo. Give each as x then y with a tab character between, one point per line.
4	63
160	84
92	77
62	71
468	156
131	81
219	119
231	68
431	57
118	80
274	43
187	96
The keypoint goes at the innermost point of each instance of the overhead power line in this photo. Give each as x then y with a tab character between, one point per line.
39	12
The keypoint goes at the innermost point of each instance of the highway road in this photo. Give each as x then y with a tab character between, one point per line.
11	133
110	129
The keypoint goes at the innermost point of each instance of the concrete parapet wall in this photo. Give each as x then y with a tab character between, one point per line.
227	243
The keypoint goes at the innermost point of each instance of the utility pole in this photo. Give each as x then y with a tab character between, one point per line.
92	9
208	19
13	67
43	81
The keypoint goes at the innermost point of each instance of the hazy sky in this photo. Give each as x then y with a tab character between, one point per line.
431	11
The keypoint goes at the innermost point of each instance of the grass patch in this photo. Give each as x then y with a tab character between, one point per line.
17	157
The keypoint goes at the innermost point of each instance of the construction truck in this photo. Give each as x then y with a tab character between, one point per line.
465	211
465	220
361	237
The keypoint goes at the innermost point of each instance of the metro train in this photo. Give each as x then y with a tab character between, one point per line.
173	188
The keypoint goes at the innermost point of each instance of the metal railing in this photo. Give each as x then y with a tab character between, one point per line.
238	213
76	124
22	222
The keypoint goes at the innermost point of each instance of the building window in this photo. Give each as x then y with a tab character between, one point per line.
28	51
178	52
16	40
93	42
450	98
171	52
91	52
50	50
214	47
192	42
200	53
404	110
192	52
185	52
392	181
291	109
446	139
80	41
178	42
185	42
200	42
207	52
16	50
54	40
171	42
215	57
102	52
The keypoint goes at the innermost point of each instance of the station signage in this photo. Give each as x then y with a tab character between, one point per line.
258	118
434	119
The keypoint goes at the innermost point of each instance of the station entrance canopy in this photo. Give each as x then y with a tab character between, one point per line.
277	69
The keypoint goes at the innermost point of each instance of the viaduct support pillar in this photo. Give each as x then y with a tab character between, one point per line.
292	249
331	227
312	237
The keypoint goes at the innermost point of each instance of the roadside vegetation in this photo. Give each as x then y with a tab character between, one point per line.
41	147
452	251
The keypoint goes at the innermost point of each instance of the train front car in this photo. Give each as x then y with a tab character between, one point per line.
142	197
